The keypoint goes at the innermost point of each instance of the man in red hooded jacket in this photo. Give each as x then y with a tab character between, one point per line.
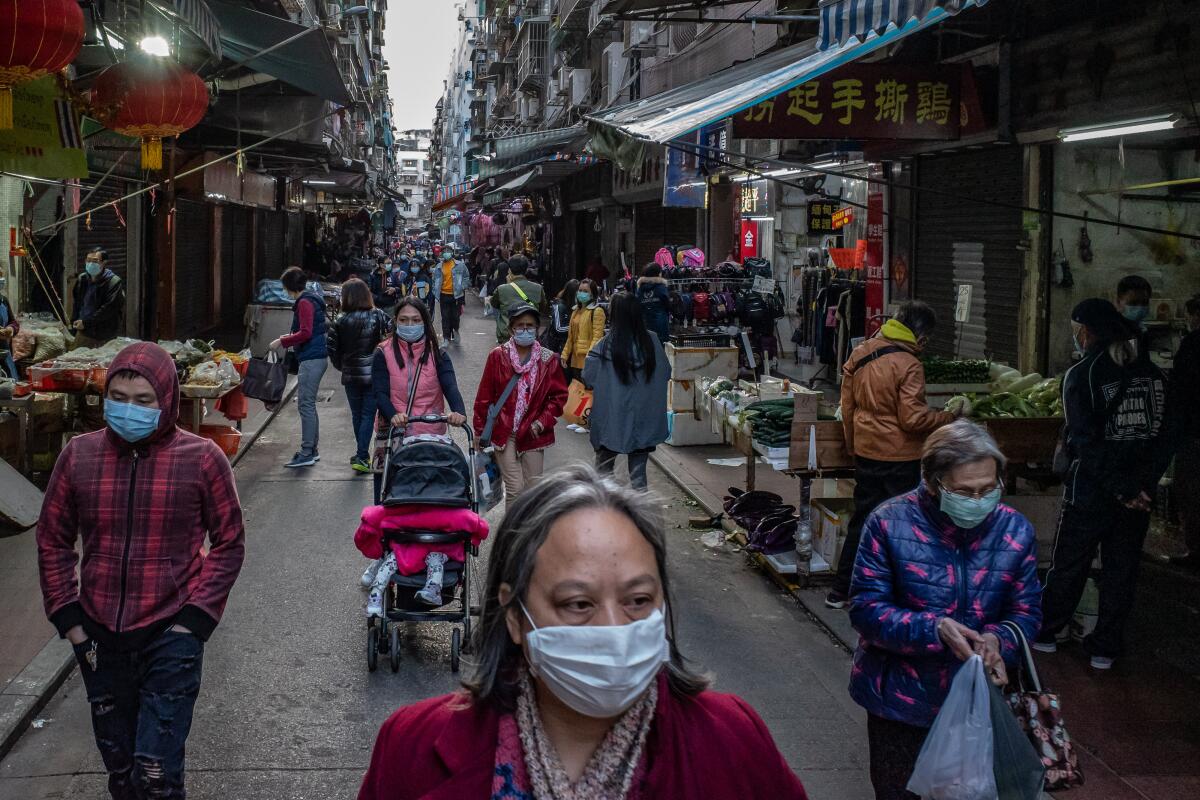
142	496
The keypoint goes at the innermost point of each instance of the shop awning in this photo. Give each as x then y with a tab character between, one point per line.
449	194
843	20
685	109
635	6
525	143
306	63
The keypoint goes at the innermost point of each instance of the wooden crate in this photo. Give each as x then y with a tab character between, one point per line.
1026	440
831	445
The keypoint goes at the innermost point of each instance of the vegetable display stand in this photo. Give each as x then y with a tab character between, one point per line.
1025	440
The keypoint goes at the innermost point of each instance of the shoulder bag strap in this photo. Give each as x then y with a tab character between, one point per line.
880	353
517	288
485	438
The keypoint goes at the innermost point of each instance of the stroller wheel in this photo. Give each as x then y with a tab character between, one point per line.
372	648
455	648
394	647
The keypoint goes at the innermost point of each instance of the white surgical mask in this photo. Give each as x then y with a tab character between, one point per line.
598	670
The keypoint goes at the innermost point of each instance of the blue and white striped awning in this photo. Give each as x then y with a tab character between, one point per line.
843	20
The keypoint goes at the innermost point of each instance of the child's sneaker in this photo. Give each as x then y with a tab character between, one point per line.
375	603
431	595
368	576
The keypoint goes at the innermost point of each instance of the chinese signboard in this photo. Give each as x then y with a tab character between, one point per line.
862	101
873	262
755	199
684	185
44	140
820	217
842	218
748	243
715	138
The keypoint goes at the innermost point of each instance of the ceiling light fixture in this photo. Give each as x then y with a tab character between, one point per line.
155	46
1129	127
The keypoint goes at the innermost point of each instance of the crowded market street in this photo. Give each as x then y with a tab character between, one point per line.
288	708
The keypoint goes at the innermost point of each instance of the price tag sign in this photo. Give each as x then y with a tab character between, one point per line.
962	306
764	285
842	217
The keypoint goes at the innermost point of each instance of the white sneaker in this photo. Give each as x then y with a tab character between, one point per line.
368	576
431	595
573	428
580	429
1045	647
375	603
1101	662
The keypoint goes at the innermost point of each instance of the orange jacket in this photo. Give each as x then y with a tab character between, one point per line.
884	413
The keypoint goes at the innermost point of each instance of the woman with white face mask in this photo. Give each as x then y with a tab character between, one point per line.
579	689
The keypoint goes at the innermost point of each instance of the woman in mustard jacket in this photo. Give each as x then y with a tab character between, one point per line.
586	328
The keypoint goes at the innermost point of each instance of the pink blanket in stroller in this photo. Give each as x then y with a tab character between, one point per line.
378	521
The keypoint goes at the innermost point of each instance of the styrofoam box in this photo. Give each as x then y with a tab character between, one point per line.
684	430
694	363
681	395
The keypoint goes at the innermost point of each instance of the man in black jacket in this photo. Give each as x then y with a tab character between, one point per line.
99	302
1118	447
1185	388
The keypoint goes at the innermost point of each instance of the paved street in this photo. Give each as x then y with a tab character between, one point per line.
288	709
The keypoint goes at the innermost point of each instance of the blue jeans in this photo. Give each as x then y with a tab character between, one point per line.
142	712
362	410
308	382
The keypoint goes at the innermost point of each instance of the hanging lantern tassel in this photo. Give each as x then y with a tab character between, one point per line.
6	108
152	153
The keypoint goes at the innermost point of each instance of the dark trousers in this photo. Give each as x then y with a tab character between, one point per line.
606	460
362	411
894	749
1187	492
449	304
1119	534
142	712
874	483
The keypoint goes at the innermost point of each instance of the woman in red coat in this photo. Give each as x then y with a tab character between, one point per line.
531	407
580	690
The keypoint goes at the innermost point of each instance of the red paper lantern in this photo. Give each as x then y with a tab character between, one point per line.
37	37
149	98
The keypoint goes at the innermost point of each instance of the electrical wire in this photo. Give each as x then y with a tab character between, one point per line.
54	226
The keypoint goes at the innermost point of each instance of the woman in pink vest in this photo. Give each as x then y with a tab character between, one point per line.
402	390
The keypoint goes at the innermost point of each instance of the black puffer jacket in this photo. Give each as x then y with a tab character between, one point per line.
352	342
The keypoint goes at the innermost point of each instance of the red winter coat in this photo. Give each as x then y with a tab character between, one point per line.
712	745
546	402
141	513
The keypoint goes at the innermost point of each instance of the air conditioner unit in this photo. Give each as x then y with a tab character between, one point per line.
581	83
614	65
639	37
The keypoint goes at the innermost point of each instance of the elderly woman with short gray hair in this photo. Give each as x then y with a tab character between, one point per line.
579	689
939	570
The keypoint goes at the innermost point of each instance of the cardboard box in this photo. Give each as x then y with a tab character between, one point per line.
694	363
684	430
831	445
830	520
681	395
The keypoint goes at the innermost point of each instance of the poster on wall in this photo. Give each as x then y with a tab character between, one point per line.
873	262
748	243
684	183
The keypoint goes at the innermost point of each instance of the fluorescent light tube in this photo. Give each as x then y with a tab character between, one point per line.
1160	122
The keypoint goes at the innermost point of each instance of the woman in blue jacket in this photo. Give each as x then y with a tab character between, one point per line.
653	294
938	570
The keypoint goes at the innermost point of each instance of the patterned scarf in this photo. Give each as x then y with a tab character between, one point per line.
527	765
529	375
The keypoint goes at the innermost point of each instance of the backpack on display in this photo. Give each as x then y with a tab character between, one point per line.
676	305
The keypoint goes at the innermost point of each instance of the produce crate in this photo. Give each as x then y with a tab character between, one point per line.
98	378
692	363
46	377
228	438
831	445
1026	440
702	339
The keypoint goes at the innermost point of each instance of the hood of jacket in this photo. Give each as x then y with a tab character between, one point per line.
155	365
898	332
653	280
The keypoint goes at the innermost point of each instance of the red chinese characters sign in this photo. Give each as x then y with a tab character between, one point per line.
862	101
749	239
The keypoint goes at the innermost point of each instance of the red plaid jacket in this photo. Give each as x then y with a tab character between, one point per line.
142	513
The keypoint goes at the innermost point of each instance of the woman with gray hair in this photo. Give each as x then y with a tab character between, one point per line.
579	690
940	570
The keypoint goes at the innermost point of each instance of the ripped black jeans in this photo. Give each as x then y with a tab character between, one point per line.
142	712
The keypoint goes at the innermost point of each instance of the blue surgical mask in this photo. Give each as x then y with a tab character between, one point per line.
968	512
411	333
93	268
583	297
524	337
130	421
1135	313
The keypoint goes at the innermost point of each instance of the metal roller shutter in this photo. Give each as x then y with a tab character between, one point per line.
959	242
294	239
235	263
193	283
104	227
656	225
274	237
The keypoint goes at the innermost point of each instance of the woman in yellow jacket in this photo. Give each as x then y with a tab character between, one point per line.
586	328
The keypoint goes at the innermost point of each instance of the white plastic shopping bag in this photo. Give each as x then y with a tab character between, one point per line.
956	761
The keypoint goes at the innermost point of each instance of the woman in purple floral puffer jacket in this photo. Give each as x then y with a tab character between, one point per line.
938	570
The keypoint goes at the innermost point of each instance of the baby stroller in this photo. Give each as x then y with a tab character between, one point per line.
433	473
